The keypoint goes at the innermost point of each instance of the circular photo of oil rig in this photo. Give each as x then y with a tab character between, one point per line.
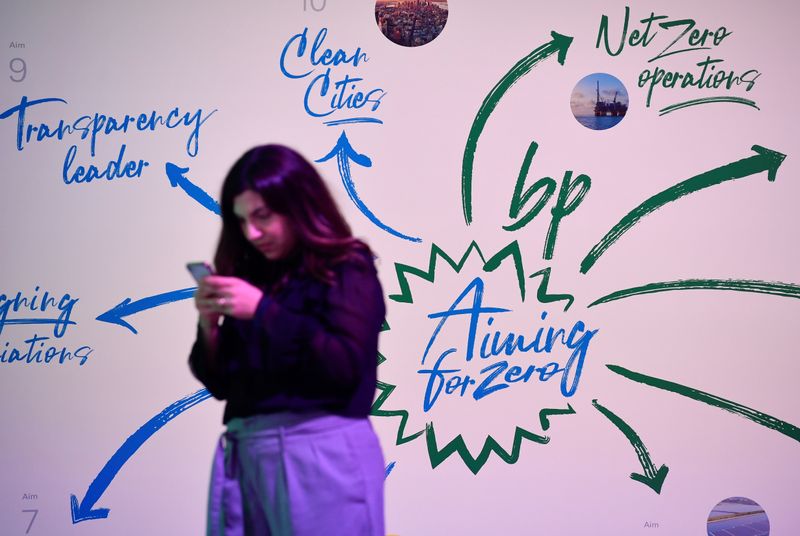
599	101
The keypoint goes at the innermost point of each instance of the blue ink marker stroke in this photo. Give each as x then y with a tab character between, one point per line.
176	179
34	321
344	152
127	307
84	511
389	469
337	122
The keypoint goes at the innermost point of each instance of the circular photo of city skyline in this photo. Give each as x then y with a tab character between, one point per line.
411	23
599	101
738	515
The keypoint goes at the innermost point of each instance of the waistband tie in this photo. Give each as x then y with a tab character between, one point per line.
225	507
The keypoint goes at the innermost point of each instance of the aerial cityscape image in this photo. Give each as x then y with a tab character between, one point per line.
410	23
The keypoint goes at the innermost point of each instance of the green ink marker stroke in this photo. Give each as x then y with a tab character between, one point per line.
545	413
739	285
512	251
652	477
542	293
559	44
764	160
707	100
475	464
756	416
385	391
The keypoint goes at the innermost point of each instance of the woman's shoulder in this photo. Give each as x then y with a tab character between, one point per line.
349	267
359	258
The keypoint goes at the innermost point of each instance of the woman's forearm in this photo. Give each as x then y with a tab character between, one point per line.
210	333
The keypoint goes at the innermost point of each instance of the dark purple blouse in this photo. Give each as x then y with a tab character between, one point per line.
309	347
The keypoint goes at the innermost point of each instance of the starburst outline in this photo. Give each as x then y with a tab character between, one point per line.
457	445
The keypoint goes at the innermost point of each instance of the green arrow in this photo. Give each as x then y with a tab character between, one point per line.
765	160
738	285
559	44
756	416
652	477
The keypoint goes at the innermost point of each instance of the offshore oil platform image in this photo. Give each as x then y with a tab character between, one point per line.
613	108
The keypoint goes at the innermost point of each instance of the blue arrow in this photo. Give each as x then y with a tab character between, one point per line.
127	307
84	511
344	152
176	178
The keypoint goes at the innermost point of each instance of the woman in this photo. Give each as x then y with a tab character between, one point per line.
288	335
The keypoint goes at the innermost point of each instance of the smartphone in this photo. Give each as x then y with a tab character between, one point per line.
199	270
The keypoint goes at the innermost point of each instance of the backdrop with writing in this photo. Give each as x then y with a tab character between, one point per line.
586	228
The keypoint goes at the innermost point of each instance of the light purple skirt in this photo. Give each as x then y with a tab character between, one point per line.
297	474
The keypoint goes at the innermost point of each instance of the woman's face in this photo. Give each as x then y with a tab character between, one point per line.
268	231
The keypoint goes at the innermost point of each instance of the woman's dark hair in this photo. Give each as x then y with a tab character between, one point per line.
289	186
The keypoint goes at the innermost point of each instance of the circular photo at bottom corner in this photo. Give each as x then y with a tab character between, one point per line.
737	516
599	101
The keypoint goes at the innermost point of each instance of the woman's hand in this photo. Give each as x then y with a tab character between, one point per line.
230	296
205	300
